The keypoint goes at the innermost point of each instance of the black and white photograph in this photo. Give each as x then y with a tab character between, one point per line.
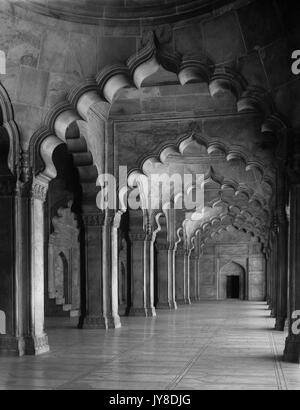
149	198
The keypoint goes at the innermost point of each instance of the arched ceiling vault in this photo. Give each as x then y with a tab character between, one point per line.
80	122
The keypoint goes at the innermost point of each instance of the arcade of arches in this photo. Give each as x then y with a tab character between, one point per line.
206	93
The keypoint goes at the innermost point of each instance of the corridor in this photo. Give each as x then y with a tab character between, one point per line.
208	345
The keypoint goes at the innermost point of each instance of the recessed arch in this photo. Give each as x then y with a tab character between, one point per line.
228	271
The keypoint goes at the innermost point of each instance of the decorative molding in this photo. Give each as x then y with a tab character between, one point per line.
226	79
255	99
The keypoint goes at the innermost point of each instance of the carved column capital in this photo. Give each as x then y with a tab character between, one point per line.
39	190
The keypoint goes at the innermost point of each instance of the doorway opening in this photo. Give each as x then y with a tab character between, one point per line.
233	287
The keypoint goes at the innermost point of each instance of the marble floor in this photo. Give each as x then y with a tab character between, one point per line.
206	346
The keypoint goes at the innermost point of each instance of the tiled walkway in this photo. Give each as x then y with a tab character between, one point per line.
209	345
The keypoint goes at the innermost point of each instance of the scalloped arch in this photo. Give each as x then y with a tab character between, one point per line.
69	120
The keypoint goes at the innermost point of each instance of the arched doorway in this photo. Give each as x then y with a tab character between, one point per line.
232	281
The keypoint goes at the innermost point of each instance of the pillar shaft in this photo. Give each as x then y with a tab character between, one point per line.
274	276
179	272
101	272
37	342
110	272
193	278
199	279
165	277
142	271
187	272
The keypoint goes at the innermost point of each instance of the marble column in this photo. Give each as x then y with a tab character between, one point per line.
292	346
165	276
199	278
282	272
101	271
92	318
193	277
268	276
274	273
179	272
187	273
37	340
110	270
142	274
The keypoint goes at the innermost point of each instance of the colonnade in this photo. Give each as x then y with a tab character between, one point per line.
178	272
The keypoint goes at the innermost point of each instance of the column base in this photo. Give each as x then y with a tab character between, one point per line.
142	312
187	301
100	322
36	345
280	324
113	322
167	306
11	346
292	350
